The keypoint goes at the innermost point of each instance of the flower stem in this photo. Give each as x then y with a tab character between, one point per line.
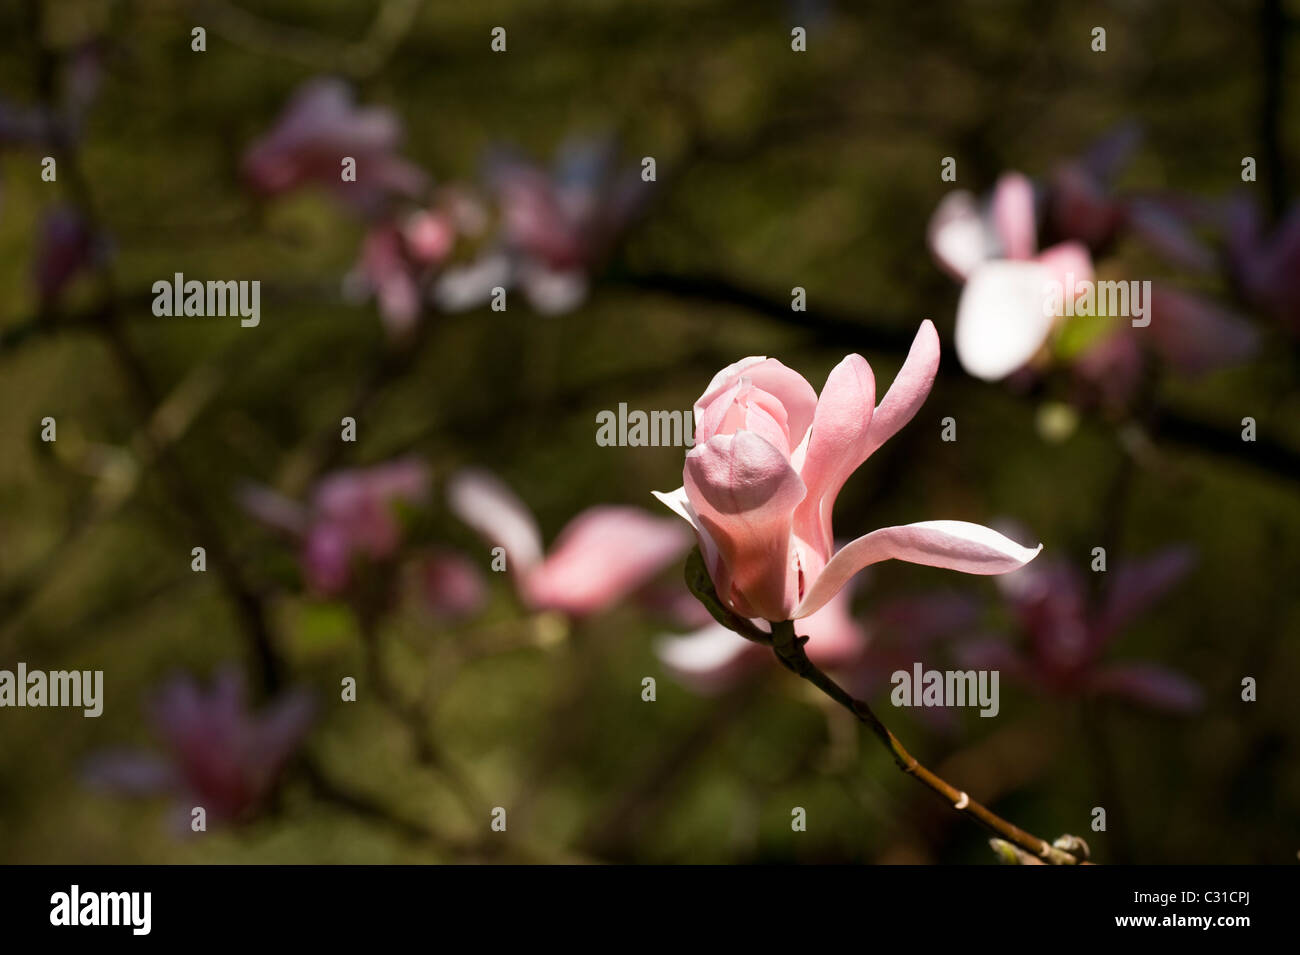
789	650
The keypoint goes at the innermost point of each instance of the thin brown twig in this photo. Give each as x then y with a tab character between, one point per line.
789	650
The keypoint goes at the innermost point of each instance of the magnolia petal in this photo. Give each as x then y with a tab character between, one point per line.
787	386
1136	585
1012	210
483	502
910	388
835	638
1169	236
709	660
957	234
1069	264
745	493
955	545
603	555
837	445
677	502
1194	334
1003	318
1150	685
1108	155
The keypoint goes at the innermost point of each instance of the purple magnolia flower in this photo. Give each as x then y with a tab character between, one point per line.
1266	267
1081	202
318	128
1068	635
218	755
351	515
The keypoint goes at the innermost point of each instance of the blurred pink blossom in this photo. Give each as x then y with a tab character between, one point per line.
402	254
601	556
769	460
351	515
556	227
318	128
1002	318
218	754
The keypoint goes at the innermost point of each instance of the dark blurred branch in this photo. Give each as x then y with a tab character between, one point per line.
108	324
877	333
1273	26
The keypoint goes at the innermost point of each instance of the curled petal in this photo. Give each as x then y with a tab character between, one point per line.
487	505
745	493
1003	318
604	554
837	445
910	388
955	545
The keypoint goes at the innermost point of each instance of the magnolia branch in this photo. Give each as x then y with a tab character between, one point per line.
789	650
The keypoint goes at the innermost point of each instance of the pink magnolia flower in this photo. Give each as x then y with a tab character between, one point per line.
770	457
218	754
318	128
601	556
352	514
1002	317
1068	635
